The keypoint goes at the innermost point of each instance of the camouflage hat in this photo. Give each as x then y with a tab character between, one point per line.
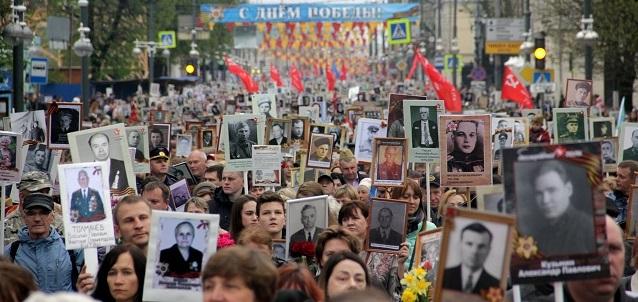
34	181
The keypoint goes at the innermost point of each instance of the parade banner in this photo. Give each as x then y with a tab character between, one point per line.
306	12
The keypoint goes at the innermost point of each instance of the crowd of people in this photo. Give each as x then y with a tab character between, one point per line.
252	219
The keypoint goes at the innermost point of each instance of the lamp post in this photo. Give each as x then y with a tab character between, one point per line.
152	48
588	37
83	49
16	33
454	50
527	46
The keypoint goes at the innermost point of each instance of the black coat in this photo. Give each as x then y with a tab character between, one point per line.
452	279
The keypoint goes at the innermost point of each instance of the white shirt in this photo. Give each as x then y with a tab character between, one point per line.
425	132
465	272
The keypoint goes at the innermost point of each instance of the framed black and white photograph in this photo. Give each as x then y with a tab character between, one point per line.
389	162
317	129
475	254
320	151
466	154
503	138
492	199
601	127
628	140
159	116
386	225
570	125
37	157
180	194
609	152
277	132
107	144
306	218
86	205
427	250
518	126
159	135
183	145
560	212
532	113
279	249
63	119
266	166
299	131
422	118
339	134
207	138
31	124
179	246
367	130
578	93
371	112
242	132
137	138
182	171
265	105
10	160
395	113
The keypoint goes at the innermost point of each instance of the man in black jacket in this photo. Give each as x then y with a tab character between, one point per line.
224	196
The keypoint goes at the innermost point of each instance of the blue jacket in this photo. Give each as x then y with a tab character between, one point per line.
47	259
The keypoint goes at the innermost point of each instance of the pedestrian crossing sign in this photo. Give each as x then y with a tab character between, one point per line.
167	39
399	31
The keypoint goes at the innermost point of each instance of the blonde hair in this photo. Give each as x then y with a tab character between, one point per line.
444	201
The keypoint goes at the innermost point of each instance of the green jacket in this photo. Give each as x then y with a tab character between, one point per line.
411	239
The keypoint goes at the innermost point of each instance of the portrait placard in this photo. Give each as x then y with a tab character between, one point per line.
628	142
492	199
423	131
601	127
395	113
570	125
242	132
466	154
107	144
182	171
266	165
530	114
389	161
517	126
339	134
10	161
473	239
277	132
207	138
159	135
386	225
320	151
428	249
168	276
503	138
265	105
299	131
180	194
37	157
31	124
578	93
609	153
367	130
159	116
560	212
306	218
184	145
279	249
137	137
86	210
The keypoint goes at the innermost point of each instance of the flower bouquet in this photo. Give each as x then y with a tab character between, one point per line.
415	284
304	252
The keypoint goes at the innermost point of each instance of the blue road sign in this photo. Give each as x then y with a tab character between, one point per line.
39	71
542	77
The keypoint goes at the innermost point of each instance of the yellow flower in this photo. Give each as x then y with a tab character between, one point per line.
526	247
408	296
420	272
408	280
422	287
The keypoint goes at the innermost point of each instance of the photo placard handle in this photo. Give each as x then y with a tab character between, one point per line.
516	293
559	296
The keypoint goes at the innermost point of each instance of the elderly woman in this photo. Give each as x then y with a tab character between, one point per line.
467	154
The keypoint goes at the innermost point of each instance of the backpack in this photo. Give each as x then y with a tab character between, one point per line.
74	269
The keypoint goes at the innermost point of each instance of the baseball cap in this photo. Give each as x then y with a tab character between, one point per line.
434	179
160	152
34	181
205	187
325	177
38	200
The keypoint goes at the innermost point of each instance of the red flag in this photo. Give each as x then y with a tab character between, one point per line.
330	79
415	62
245	78
514	90
344	72
444	89
275	76
295	78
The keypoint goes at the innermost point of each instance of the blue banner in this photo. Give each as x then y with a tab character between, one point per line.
307	12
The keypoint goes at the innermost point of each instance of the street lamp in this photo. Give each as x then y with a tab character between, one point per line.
527	46
83	49
454	50
16	33
587	36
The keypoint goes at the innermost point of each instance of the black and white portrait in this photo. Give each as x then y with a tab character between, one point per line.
629	142
466	155
367	130
242	135
159	136
578	93
264	105
207	138
279	249
298	130
553	208
277	132
38	158
182	259
336	132
306	218
608	150
180	194
320	151
387	225
182	171
475	256
137	138
184	145
31	124
61	122
570	124
601	127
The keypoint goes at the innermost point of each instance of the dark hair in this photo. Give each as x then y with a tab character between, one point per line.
629	164
253	267
332	263
102	291
219	169
309	189
335	233
407	184
270	197
349	210
95	135
236	225
17	283
477	228
158	184
293	276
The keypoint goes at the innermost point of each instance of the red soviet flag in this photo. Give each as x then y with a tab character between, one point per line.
444	89
295	79
275	76
245	78
330	79
514	90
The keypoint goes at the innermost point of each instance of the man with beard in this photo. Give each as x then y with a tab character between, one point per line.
241	147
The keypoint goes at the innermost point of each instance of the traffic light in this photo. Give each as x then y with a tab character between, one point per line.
191	69
540	52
